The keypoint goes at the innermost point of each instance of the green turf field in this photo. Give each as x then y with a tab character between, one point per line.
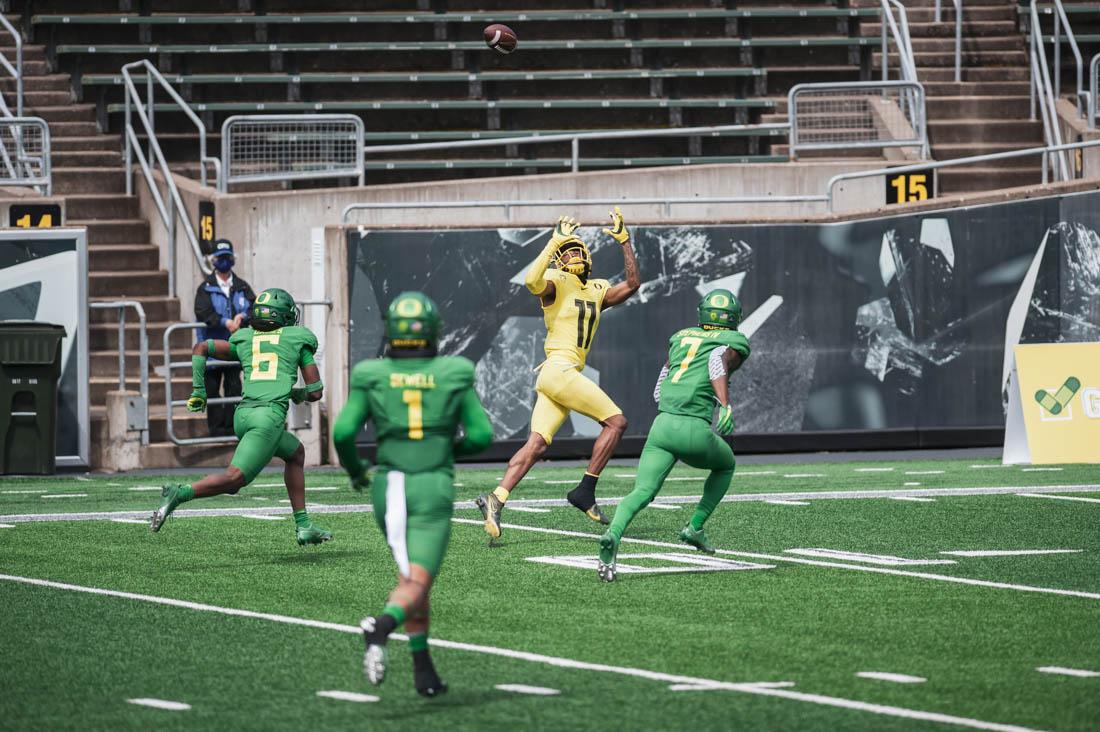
224	613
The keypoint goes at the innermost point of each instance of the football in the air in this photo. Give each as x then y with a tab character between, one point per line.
500	38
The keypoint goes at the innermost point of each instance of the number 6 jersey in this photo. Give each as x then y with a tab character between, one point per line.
270	360
571	320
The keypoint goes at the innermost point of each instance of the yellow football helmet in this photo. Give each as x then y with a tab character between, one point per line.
580	264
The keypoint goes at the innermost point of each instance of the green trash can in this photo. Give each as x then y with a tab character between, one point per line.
30	367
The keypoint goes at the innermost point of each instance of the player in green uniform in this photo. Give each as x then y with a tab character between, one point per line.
695	377
271	352
417	400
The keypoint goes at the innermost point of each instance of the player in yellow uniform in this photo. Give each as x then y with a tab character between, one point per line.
571	307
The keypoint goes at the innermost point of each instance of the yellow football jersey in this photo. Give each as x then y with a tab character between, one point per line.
571	320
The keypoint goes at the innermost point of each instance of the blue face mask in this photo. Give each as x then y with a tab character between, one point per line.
223	264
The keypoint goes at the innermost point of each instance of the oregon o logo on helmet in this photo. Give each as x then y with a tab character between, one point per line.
263	298
409	308
719	300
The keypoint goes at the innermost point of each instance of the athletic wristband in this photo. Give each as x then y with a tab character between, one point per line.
198	373
315	386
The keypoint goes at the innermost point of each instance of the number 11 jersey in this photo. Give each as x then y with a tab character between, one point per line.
571	320
270	360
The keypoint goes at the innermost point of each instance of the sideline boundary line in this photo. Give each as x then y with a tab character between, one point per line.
560	502
761	689
811	562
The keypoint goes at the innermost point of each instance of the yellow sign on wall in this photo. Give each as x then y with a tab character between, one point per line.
1060	398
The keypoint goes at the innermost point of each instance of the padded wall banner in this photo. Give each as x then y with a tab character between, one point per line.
43	277
892	323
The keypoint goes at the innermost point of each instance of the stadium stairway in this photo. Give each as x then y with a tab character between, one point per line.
988	110
122	261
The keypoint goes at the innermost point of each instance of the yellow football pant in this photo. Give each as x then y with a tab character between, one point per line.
561	388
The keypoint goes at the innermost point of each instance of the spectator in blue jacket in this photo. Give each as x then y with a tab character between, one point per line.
224	303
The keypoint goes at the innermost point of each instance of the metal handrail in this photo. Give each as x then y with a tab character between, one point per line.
1094	73
912	96
1061	21
574	138
16	71
133	147
906	64
954	162
169	365
958	39
668	203
1042	91
24	162
143	352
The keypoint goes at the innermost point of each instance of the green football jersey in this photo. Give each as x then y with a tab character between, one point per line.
687	389
416	406
270	361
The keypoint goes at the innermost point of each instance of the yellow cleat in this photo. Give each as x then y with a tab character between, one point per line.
490	507
596	515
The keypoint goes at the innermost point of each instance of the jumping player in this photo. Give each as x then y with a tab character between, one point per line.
571	307
417	401
271	352
701	360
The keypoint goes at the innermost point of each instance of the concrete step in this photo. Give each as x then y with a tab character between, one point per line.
114	231
37	67
975	13
782	78
990	73
966	4
982	44
106	362
951	151
848	154
941	59
167	455
975	88
970	29
120	257
64	113
77	143
88	180
157	308
73	129
30	52
100	385
102	206
86	158
104	336
971	179
127	284
970	107
33	98
984	130
45	82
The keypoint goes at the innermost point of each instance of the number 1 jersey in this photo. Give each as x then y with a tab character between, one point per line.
270	360
571	320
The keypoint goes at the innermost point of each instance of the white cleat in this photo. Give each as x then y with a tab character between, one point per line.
606	572
374	658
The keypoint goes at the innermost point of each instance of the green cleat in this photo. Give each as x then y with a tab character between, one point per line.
312	534
609	550
697	539
171	495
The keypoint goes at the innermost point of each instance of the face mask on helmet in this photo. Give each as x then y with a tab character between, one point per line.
580	264
224	263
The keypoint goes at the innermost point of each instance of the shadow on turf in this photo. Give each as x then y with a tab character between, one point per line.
313	557
464	699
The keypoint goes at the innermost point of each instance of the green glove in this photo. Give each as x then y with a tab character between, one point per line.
361	481
724	425
298	394
197	401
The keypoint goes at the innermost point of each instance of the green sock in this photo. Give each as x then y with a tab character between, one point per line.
718	482
301	519
396	612
186	493
418	642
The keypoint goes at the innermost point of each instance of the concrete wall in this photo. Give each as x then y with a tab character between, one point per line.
1075	129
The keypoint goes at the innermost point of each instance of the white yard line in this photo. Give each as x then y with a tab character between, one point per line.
143	522
11	493
666	506
525	689
874	470
7	526
560	482
1082	499
912	483
924	472
351	696
759	684
685	479
65	495
780	502
528	509
555	661
804	475
605	500
262	517
818	563
984	467
1041	470
327	487
914	499
172	706
626	475
1009	552
1078	672
879	559
747	473
145	488
896	678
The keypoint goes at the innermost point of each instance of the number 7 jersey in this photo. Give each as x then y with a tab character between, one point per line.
270	360
687	389
571	320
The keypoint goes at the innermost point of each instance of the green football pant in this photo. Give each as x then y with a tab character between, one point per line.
414	512
688	439
262	433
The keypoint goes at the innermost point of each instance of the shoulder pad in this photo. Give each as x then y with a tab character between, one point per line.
364	373
737	340
461	367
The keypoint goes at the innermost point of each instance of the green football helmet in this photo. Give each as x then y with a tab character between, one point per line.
720	309
413	321
274	309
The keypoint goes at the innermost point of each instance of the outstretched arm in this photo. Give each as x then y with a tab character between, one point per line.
475	422
535	278
352	418
203	349
622	291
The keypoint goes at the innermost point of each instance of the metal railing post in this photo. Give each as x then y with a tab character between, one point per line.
882	23
575	145
172	251
958	41
1094	72
143	352
129	153
151	106
938	11
19	75
1057	56
1033	90
122	349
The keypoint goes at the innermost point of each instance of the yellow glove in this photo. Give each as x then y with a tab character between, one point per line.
618	230
567	226
197	401
361	481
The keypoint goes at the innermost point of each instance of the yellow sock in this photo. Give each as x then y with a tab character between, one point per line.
501	494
